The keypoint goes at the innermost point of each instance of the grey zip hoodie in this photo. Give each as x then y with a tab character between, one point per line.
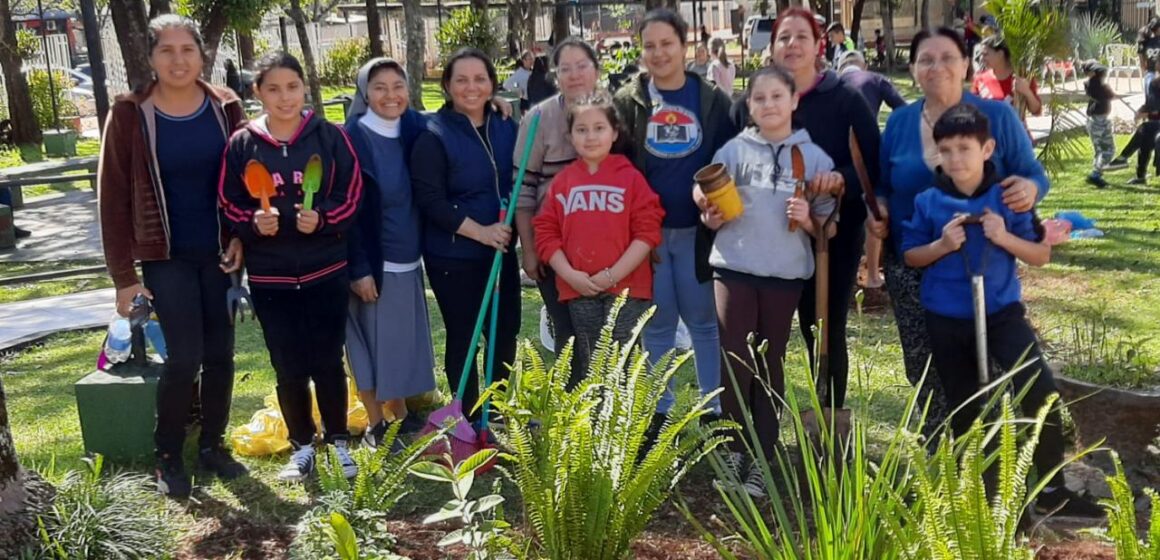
759	241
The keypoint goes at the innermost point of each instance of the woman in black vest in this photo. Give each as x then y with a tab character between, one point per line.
461	170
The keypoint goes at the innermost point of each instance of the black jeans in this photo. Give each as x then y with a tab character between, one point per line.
305	330
845	254
1009	336
459	287
189	295
1144	139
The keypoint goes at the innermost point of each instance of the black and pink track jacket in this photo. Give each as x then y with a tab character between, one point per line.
291	259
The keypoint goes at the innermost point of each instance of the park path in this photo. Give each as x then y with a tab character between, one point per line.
26	321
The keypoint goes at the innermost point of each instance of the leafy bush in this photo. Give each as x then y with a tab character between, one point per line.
95	517
38	88
27	43
363	502
1121	510
484	528
589	483
1091	32
467	27
340	64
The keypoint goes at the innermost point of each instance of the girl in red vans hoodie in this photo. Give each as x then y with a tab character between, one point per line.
596	228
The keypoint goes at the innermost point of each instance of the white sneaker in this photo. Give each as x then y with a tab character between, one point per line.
754	482
733	463
300	465
349	467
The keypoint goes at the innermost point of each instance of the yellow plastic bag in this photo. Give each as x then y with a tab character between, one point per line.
266	433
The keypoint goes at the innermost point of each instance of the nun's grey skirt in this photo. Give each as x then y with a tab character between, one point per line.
388	342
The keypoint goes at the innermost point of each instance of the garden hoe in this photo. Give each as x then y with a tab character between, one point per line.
839	421
463	441
979	304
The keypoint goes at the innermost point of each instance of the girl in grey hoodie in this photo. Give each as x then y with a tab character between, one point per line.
759	265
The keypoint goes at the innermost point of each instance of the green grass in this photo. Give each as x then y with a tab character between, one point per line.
20	292
85	147
432	98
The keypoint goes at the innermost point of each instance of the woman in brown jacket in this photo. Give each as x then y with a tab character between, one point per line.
160	164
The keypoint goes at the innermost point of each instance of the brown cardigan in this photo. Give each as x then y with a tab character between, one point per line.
134	221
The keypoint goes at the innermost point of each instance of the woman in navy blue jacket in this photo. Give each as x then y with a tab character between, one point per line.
388	333
296	257
461	170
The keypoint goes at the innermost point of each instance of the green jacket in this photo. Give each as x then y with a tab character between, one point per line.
634	108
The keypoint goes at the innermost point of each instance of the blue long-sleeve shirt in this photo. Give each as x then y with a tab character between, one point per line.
904	174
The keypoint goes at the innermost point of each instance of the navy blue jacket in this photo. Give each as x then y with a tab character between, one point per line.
291	259
457	173
365	244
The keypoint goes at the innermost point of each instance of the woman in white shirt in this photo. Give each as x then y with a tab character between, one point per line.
722	72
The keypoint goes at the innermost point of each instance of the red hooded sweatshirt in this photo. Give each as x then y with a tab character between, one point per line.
594	217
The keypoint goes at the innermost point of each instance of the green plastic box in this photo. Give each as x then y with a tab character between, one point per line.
60	142
118	411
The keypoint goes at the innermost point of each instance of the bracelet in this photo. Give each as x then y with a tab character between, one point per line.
608	274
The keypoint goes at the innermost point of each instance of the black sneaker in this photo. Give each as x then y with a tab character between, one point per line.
373	437
171	477
21	233
1097	181
1138	181
1118	163
1064	502
412	424
217	460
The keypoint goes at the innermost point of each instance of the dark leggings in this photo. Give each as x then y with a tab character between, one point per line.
1144	139
189	295
767	311
845	254
589	314
1009	336
305	330
562	329
459	286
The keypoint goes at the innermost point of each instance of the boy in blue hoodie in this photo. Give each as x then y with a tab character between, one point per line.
964	213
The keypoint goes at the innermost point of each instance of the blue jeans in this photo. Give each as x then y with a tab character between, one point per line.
1148	76
678	294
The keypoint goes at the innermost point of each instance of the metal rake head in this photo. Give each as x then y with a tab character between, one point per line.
238	299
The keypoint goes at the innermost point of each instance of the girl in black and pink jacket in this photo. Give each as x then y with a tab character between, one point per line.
296	257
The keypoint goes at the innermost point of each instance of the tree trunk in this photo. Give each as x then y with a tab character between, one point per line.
925	14
246	48
856	21
24	496
886	7
129	22
212	30
416	50
25	129
531	13
374	28
299	18
514	11
561	23
158	7
781	5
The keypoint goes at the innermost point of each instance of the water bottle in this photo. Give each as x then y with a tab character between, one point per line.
153	334
118	346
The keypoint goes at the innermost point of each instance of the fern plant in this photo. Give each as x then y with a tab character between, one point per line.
837	504
363	502
957	513
589	483
1121	510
